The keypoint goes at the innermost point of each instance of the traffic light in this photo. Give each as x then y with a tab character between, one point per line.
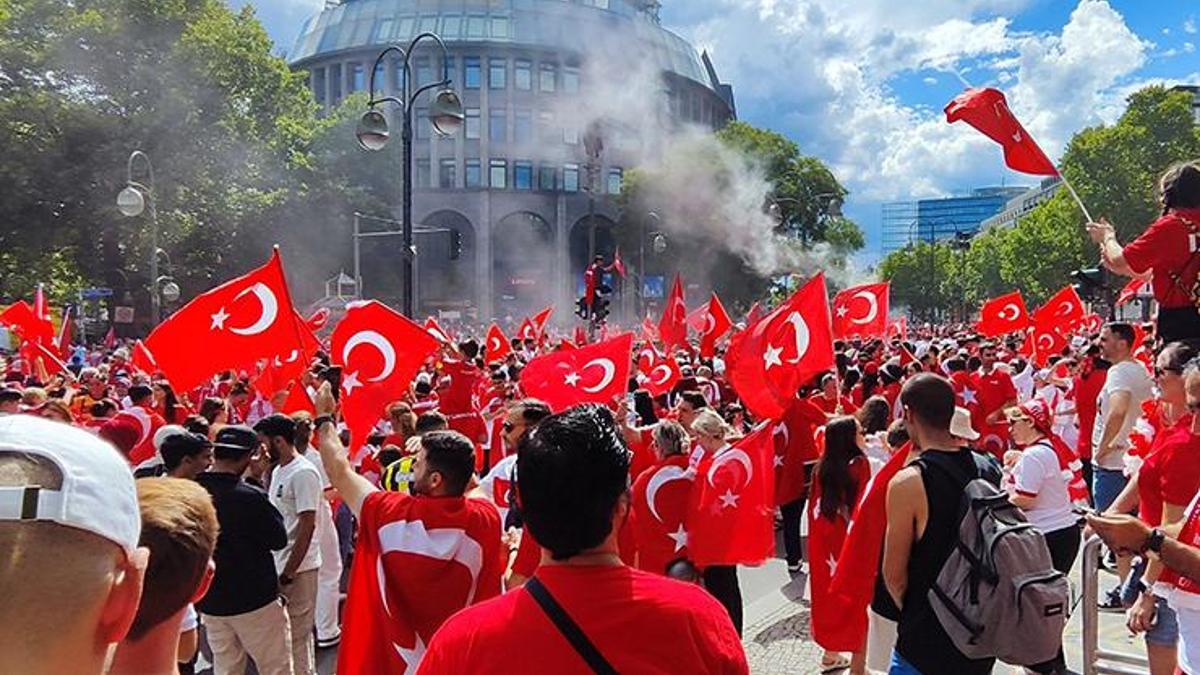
1090	280
455	244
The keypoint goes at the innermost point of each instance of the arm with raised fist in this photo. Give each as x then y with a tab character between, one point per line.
352	487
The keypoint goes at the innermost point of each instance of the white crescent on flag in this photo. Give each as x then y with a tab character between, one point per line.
1049	344
800	331
873	302
610	370
666	374
378	342
1016	311
1065	308
410	536
269	305
731	455
660	478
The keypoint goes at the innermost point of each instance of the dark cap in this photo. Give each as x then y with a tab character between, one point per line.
236	437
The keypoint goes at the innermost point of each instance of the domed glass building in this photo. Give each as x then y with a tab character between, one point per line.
517	183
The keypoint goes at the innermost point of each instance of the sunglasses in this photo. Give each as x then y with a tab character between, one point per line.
508	426
1159	372
1014	420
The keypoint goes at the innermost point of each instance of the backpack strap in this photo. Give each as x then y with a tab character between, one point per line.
569	629
1193	249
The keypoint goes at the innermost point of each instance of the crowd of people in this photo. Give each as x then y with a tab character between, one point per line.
132	516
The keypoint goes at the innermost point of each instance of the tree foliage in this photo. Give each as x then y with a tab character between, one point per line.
1115	170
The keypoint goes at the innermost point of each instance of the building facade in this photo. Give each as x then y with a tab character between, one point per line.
517	184
927	220
1019	206
1194	90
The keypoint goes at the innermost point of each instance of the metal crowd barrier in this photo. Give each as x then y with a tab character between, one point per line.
1097	661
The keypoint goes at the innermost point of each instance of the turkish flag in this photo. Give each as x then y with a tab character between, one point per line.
987	111
1062	311
581	337
1002	315
832	627
434	329
527	331
618	265
649	332
898	328
540	320
661	495
769	361
142	360
1134	288
754	314
861	311
417	561
21	318
45	361
110	338
496	346
317	320
672	328
238	323
733	506
795	444
1043	342
660	373
298	400
455	398
380	352
853	581
595	373
713	325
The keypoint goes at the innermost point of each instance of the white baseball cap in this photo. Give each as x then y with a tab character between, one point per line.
97	494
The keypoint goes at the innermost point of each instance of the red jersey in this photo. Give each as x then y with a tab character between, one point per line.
1167	248
1087	390
661	495
639	622
992	390
1171	472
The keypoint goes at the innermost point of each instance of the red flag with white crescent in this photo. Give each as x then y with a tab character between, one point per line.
239	322
142	360
380	352
1003	315
732	516
496	346
595	373
1063	311
417	561
672	328
540	319
661	495
987	111
861	311
317	320
659	374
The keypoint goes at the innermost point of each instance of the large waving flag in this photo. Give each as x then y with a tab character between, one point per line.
987	111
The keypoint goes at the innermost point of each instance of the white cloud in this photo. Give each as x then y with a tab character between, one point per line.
839	61
1189	47
1189	26
930	80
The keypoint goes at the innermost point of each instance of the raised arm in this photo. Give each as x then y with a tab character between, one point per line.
352	487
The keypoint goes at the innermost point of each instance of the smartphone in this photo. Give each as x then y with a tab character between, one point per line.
333	375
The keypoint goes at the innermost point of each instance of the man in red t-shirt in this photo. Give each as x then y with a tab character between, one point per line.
995	392
573	475
1088	383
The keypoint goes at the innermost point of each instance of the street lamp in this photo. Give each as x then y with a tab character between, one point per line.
131	202
445	114
658	244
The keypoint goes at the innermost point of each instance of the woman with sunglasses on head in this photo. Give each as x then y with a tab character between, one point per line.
1168	479
1045	481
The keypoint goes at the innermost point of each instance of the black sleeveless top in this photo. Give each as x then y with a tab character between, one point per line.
920	637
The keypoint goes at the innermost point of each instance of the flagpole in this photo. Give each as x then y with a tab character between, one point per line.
1074	194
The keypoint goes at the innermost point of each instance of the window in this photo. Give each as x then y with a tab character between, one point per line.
497	73
380	82
472	123
451	25
477	26
549	74
498	173
428	24
398	75
335	83
522	126
318	84
356	78
471	72
404	28
423	177
424	72
474	177
614	181
570	80
497	125
500	27
547	177
422	123
523	75
571	177
448	174
383	31
523	175
570	134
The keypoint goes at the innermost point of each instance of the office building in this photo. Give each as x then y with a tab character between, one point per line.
939	219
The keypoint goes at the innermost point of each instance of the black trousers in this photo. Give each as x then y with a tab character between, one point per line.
722	582
792	512
1064	547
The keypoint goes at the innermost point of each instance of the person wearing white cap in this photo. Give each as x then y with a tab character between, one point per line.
69	528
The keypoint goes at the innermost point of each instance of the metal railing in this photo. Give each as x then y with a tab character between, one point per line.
1097	661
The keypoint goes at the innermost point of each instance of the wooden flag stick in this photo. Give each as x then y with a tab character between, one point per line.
1074	194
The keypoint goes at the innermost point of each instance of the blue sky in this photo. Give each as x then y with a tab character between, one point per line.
862	84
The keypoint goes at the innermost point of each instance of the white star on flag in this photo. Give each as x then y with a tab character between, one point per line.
778	460
968	396
572	379
218	319
832	562
679	536
351	383
842	311
771	356
412	657
728	500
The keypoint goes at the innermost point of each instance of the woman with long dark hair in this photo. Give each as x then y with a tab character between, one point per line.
839	481
167	403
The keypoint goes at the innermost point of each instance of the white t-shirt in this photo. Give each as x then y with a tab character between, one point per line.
1130	376
314	456
296	489
1038	475
1023	382
503	470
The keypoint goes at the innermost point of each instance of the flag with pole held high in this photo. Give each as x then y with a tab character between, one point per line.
711	321
987	110
497	346
672	328
1134	288
861	311
1003	315
595	373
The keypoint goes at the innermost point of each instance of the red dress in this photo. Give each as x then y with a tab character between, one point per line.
831	628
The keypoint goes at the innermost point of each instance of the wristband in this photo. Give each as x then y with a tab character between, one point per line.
320	420
1154	541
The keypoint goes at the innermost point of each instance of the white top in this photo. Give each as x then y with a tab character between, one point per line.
1132	377
1023	382
504	470
1038	475
312	455
296	489
190	619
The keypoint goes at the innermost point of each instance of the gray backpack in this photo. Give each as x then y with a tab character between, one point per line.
998	595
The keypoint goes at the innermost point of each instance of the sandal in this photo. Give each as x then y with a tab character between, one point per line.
842	662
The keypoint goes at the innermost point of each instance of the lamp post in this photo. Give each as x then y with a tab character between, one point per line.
659	245
131	201
446	116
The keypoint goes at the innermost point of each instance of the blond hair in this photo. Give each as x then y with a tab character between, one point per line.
709	423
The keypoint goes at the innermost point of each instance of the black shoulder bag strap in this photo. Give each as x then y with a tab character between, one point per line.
569	629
